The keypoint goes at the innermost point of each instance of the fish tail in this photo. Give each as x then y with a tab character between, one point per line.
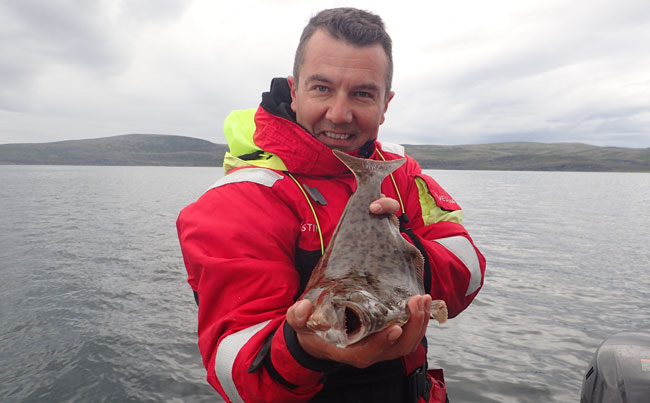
439	311
364	169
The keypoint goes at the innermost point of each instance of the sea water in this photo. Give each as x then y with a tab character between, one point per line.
94	304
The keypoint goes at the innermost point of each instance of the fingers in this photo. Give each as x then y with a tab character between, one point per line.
298	314
384	205
396	341
311	343
425	319
415	329
370	350
390	343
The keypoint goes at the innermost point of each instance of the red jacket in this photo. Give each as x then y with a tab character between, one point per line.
250	242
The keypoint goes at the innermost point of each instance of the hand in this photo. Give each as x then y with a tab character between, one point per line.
393	342
384	205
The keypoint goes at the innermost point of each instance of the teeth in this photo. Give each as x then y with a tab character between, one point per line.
337	136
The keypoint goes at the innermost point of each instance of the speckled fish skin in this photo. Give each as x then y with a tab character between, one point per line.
363	281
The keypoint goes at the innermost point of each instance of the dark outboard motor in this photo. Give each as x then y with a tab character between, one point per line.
619	371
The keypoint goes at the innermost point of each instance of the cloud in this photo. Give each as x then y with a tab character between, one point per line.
560	71
37	36
465	72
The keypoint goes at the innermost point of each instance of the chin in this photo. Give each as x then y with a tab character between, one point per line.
342	148
339	144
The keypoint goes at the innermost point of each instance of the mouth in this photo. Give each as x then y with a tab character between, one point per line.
336	136
352	322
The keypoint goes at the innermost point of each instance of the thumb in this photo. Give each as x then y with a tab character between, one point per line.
298	314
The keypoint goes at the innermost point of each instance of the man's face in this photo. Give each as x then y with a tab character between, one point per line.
341	94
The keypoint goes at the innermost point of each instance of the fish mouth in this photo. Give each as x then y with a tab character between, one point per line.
356	323
353	323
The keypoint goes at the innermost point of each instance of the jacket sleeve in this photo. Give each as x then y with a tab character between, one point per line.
238	245
454	267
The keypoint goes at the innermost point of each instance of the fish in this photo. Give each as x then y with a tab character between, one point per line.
368	272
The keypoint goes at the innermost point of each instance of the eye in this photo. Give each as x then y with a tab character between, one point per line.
363	94
320	88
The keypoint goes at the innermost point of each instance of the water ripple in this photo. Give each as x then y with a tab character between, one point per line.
94	304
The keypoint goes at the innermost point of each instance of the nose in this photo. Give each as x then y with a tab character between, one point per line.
339	110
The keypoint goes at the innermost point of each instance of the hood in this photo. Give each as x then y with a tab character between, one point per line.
275	140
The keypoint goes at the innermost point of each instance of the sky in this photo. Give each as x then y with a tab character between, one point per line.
466	71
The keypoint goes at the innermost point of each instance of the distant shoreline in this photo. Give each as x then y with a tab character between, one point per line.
167	150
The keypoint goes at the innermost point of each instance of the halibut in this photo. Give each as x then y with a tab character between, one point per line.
363	281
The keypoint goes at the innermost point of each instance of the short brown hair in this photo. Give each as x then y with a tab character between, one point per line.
354	26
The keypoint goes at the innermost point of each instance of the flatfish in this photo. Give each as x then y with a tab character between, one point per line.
363	281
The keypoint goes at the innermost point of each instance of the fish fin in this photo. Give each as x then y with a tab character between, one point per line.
395	221
417	261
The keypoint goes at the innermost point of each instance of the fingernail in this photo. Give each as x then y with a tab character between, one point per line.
427	305
375	207
421	304
394	334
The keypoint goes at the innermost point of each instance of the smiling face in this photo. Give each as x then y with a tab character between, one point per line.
340	94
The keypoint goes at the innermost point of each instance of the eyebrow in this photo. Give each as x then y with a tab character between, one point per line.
318	77
368	86
364	86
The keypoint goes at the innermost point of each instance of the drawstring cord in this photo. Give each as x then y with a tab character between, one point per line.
313	211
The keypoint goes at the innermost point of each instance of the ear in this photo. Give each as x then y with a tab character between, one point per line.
388	99
293	84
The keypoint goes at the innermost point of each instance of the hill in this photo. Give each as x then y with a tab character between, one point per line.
128	149
528	156
152	149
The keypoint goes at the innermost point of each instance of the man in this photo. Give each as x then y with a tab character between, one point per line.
250	242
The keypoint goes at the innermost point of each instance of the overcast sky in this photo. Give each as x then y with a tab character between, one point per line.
466	71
